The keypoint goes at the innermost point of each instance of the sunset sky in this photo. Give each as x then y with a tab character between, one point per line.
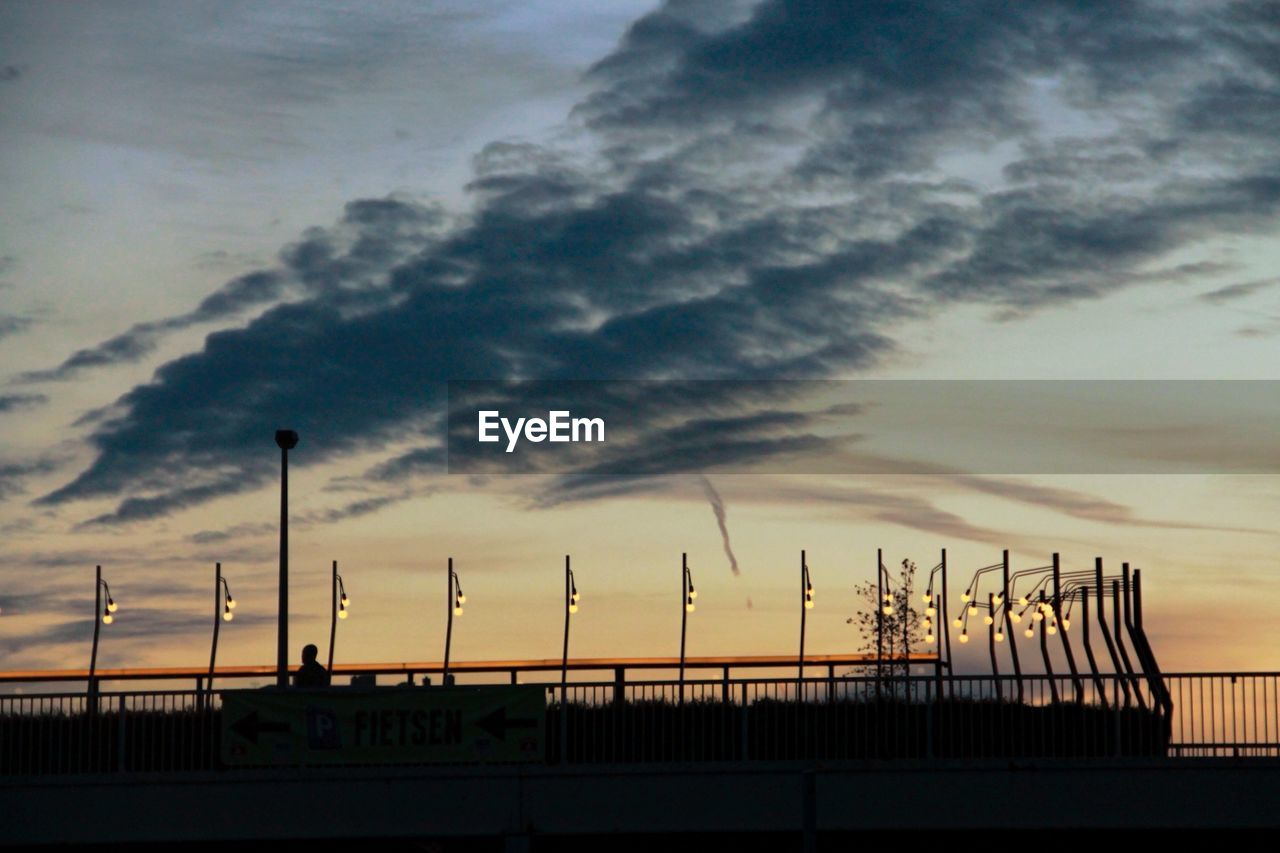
225	218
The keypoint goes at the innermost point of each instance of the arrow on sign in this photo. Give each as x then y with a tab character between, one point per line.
496	723
249	727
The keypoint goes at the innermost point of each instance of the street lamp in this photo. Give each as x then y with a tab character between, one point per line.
806	604
286	440
455	600
339	607
107	616
571	598
687	595
223	605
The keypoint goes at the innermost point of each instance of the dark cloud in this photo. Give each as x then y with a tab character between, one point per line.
12	324
775	190
13	475
1238	291
14	402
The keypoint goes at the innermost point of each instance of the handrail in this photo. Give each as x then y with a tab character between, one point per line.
407	668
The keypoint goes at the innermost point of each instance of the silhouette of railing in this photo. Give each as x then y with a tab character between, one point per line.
734	720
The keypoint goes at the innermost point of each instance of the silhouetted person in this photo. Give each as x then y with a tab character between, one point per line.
312	673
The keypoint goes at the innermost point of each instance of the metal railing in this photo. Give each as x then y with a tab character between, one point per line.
740	720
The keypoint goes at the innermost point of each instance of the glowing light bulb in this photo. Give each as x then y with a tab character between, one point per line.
999	599
107	618
808	604
929	611
457	611
958	622
888	611
973	610
927	624
1066	624
988	620
342	613
964	638
574	596
1029	633
112	607
1015	618
227	616
928	638
999	636
1023	601
693	593
965	595
689	607
462	599
1051	630
344	601
573	608
927	597
231	602
1037	616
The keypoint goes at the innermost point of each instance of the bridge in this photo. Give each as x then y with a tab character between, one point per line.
734	749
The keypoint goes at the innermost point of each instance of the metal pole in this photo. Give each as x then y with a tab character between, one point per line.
92	686
333	614
564	658
1106	634
991	643
448	631
804	599
1166	701
1088	646
946	626
1044	653
1062	630
1124	655
684	614
285	439
217	622
879	619
1009	630
1128	624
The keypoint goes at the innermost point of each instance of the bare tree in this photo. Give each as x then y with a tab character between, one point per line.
901	627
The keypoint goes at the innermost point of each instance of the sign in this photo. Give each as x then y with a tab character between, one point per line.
497	723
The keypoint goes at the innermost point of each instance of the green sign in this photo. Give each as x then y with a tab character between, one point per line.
387	726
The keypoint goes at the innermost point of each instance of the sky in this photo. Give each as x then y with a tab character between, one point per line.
225	218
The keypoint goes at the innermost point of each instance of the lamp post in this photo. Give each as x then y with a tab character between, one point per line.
286	440
339	609
570	607
455	600
687	595
223	605
107	612
806	604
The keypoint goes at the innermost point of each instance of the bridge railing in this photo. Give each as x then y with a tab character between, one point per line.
832	718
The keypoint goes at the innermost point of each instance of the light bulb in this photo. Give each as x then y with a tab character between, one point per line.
1037	616
1029	633
999	599
929	611
888	596
964	596
342	613
1015	618
927	624
958	622
457	611
964	638
888	611
689	607
227	616
999	636
231	602
973	610
928	596
928	638
1066	624
344	601
1023	601
573	608
1052	629
988	620
808	604
693	593
575	596
462	599
112	607
107	618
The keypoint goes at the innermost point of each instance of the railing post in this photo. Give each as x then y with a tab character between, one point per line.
831	683
619	686
746	752
724	685
122	763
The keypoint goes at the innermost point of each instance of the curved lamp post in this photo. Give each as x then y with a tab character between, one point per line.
339	609
570	607
806	604
223	605
105	613
687	595
286	440
455	600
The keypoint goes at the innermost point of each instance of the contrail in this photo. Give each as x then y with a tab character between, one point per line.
717	506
